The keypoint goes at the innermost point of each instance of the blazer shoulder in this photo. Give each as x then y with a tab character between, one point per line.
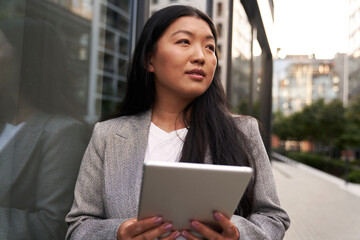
112	126
246	123
124	125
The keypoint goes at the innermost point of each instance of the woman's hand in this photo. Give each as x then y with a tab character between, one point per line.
149	228
229	231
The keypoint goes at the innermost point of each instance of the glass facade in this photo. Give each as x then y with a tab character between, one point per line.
354	49
62	66
241	76
246	74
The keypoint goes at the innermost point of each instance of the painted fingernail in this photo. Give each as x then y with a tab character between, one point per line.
168	226
177	235
217	216
184	234
158	220
194	224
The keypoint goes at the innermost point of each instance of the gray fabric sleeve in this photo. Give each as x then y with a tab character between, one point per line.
268	220
87	218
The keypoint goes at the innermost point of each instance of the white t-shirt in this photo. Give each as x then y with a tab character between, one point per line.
164	146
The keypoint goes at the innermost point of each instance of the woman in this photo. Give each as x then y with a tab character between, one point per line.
174	93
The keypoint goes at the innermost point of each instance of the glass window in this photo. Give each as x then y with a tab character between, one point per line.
240	95
62	65
219	29
219	9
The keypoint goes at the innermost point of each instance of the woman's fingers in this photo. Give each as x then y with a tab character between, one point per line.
204	230
189	236
141	226
123	232
173	235
155	232
149	228
229	230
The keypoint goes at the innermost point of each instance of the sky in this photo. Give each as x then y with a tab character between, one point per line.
311	26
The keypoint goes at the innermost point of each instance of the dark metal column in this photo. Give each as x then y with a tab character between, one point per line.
209	8
142	14
266	98
229	55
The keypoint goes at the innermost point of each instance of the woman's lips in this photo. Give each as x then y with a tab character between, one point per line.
196	74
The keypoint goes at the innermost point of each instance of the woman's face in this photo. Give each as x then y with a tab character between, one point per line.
184	60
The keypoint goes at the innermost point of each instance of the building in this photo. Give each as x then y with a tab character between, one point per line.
111	44
156	5
301	80
259	68
354	49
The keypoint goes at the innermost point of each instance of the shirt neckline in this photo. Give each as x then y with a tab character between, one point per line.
162	132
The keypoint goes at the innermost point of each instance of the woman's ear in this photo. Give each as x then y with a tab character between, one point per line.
148	63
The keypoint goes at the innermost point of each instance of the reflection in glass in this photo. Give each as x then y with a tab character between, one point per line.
61	65
41	141
241	60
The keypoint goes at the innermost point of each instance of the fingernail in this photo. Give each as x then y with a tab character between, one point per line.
217	216
158	220
194	224
184	234
177	235
168	226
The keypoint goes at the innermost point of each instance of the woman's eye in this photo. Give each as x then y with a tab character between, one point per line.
211	47
184	41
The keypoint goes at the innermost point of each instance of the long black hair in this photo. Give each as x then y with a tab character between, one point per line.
212	128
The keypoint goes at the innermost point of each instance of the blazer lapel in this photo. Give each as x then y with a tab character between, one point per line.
131	141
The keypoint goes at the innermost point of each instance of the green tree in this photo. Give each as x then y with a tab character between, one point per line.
331	122
331	125
243	108
351	135
311	120
281	126
319	122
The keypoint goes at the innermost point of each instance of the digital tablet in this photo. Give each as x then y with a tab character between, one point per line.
181	192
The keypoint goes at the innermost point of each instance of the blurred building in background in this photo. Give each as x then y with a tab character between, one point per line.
301	80
156	5
354	49
110	50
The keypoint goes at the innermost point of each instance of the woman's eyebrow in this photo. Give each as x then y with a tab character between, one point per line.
191	34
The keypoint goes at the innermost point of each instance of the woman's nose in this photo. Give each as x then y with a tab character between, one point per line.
198	55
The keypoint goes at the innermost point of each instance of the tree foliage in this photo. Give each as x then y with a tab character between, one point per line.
329	124
351	136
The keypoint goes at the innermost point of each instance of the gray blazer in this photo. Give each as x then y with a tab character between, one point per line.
108	185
